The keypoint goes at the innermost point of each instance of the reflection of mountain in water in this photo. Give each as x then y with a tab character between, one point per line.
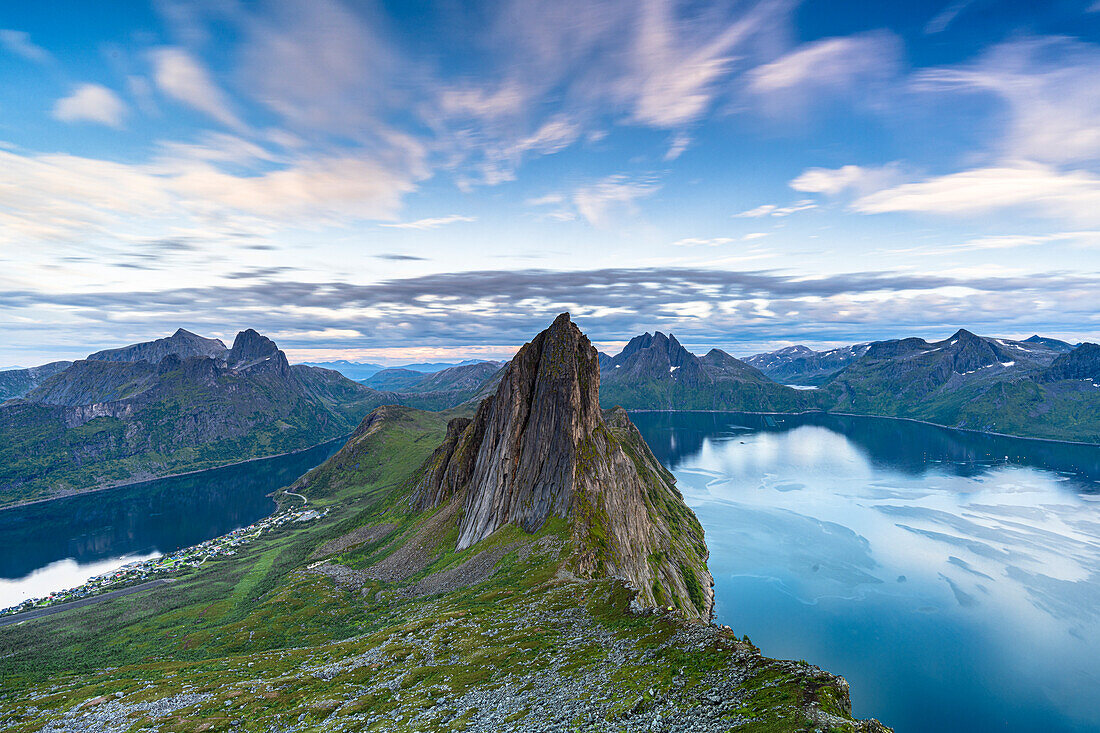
162	515
906	447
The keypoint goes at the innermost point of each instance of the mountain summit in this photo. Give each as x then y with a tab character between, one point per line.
541	448
654	372
182	343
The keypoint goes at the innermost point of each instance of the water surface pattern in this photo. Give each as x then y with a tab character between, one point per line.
953	578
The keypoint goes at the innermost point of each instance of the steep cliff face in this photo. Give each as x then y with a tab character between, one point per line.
541	448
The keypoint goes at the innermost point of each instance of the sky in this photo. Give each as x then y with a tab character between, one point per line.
411	180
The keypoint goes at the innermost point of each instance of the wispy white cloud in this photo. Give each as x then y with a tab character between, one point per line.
548	199
180	76
91	103
600	203
323	67
678	65
430	223
1051	95
1038	188
62	198
1012	241
20	44
679	144
775	210
946	17
717	241
836	63
703	242
849	178
1083	239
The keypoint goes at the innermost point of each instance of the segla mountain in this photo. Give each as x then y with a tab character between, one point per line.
541	447
176	404
523	566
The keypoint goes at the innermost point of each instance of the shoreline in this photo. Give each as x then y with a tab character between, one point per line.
891	417
22	616
108	487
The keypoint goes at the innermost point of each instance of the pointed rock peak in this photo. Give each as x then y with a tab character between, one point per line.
546	405
251	342
963	335
251	348
540	447
635	345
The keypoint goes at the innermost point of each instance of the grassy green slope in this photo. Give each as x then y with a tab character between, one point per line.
259	641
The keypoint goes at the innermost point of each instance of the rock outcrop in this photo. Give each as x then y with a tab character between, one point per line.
541	448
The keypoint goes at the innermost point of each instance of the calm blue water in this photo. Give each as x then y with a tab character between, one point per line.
59	544
952	578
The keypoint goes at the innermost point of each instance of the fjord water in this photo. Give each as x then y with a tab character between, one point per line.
953	578
59	544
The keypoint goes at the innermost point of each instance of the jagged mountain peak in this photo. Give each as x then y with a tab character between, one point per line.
546	405
540	447
963	335
251	348
182	343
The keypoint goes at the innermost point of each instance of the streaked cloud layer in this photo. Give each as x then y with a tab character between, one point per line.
360	176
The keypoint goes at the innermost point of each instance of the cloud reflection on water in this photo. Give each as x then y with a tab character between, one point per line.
996	539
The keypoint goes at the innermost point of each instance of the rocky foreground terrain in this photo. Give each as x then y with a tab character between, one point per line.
525	567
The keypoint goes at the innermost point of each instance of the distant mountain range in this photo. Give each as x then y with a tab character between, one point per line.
361	371
180	403
654	372
1036	388
470	375
804	366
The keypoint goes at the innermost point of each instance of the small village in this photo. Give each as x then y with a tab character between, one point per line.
187	557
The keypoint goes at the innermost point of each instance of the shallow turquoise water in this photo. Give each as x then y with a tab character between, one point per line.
952	578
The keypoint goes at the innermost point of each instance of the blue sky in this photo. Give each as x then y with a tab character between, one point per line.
410	180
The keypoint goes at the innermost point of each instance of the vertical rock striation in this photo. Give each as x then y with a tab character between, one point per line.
541	448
